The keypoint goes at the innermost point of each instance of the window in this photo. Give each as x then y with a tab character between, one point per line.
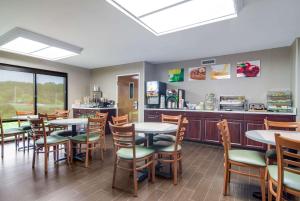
29	89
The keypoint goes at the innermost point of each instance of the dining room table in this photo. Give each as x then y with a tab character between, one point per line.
73	122
150	129
268	137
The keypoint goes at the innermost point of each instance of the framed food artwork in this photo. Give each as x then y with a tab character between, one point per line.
197	73
219	72
176	75
248	69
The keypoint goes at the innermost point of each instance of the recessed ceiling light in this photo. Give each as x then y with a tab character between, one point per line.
25	42
167	16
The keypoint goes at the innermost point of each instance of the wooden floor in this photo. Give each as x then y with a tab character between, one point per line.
202	179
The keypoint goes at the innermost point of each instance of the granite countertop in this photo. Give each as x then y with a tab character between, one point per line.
221	111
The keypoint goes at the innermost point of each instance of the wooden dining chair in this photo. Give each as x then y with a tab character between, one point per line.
138	157
42	143
91	139
172	119
10	132
285	176
241	158
25	126
172	154
277	125
122	120
103	115
62	113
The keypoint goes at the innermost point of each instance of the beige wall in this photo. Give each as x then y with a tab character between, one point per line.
78	78
106	79
276	70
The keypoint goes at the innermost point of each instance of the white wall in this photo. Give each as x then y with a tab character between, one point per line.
276	71
295	55
78	78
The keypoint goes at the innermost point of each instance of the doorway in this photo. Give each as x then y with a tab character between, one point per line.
128	95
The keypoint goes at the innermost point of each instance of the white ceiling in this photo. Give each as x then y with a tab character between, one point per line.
109	37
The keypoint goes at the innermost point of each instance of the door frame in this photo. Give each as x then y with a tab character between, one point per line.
139	95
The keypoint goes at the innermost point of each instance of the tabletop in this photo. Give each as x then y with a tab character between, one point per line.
268	136
25	117
155	127
69	122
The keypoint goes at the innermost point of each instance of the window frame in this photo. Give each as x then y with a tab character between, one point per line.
36	71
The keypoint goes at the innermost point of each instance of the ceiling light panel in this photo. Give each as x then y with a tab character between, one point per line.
28	43
53	53
23	45
166	16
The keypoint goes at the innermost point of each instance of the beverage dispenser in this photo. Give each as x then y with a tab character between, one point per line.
155	93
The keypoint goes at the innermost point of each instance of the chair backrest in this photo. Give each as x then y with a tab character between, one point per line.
62	113
123	136
38	129
50	117
43	116
225	135
182	128
102	115
171	119
281	125
288	154
95	127
120	120
23	113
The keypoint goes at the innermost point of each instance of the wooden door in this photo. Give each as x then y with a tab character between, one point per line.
128	87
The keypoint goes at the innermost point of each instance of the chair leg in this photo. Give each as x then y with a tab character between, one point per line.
153	169
135	181
86	156
263	183
46	159
104	143
115	172
226	174
180	165
175	170
270	196
54	153
17	138
23	140
2	147
71	151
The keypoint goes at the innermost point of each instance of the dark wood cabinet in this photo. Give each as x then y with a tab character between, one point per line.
203	125
80	112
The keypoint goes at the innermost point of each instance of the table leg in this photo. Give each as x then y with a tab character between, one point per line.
74	130
149	139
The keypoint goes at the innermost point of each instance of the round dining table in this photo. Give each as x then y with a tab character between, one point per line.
268	136
154	128
74	122
25	117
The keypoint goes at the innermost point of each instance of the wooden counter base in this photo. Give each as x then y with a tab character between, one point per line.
203	128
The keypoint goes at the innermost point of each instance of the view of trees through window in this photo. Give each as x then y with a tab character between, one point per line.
50	93
17	92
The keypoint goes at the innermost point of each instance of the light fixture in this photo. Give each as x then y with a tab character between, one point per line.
167	16
25	42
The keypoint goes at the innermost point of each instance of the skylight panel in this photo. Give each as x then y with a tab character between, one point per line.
166	16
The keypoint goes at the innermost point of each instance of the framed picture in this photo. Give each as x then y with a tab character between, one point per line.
176	75
197	73
219	72
248	69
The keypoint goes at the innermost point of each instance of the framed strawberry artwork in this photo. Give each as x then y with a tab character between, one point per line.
248	69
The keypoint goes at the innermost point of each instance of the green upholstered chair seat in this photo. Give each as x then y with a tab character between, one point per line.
13	131
291	180
52	140
164	137
165	146
139	139
83	137
271	154
25	127
63	133
140	152
247	157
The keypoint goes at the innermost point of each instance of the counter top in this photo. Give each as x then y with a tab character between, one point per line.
221	111
94	108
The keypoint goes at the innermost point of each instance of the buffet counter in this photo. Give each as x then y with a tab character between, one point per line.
203	124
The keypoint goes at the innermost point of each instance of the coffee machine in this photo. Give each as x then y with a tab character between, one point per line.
175	98
155	93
